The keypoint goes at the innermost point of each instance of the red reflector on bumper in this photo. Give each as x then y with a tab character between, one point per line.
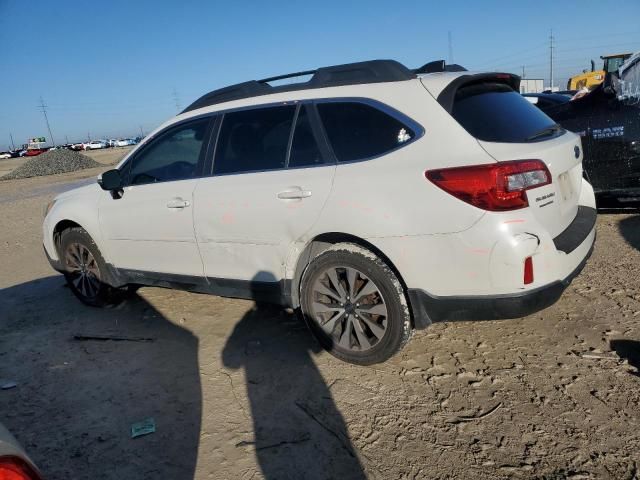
528	270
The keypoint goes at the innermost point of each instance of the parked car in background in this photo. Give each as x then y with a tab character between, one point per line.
543	100
4	155
94	145
374	198
15	464
124	142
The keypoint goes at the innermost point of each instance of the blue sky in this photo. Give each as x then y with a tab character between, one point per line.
108	68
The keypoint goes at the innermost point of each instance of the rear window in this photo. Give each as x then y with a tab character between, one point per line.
358	131
494	112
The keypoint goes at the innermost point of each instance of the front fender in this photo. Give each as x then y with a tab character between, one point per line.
82	210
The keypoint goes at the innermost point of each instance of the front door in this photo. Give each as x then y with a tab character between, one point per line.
150	227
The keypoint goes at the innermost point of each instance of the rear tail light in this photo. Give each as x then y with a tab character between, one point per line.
14	468
528	270
496	187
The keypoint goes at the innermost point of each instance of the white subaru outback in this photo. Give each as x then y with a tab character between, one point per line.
372	198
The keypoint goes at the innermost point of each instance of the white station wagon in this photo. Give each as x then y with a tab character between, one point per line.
372	198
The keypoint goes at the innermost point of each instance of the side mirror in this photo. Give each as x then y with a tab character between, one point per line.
111	180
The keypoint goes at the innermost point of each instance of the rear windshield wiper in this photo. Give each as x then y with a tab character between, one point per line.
545	132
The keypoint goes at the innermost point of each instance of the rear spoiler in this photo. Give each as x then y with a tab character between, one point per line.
448	95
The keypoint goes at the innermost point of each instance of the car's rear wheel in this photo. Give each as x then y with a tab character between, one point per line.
355	305
85	268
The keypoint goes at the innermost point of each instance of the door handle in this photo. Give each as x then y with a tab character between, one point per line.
294	194
178	203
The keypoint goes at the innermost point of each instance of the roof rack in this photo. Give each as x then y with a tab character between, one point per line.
373	71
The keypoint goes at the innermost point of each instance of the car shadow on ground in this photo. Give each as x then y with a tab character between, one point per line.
629	350
76	400
630	230
298	430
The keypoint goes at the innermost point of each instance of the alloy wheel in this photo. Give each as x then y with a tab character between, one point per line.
349	307
83	270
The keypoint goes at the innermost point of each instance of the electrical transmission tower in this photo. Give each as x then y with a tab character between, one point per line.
176	99
551	61
43	108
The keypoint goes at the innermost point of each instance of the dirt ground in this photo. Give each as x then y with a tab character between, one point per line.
240	391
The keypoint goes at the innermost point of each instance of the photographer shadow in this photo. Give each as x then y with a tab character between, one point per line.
298	430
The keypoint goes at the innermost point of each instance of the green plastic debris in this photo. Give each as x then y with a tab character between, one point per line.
145	427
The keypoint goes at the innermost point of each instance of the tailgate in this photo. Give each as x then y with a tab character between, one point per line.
554	205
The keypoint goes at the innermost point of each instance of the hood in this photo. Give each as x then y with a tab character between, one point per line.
85	187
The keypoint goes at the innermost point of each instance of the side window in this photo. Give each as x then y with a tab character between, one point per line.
254	140
357	131
304	148
173	155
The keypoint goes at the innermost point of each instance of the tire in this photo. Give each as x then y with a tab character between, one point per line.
372	323
85	268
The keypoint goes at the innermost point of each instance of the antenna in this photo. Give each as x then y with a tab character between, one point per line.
450	48
43	108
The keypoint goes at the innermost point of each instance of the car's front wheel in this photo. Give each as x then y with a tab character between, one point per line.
355	305
85	268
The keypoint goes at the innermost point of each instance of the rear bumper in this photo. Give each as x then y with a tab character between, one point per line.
427	308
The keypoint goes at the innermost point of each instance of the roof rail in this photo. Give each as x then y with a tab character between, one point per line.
373	71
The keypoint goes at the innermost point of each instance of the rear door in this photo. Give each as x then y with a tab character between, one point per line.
269	184
509	127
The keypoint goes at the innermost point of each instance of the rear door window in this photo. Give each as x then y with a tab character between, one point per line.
494	112
358	131
254	140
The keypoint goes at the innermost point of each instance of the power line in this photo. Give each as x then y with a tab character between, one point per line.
506	59
43	107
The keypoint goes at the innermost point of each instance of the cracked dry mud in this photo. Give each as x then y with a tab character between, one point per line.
239	391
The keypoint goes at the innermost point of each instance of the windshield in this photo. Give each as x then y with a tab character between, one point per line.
494	112
612	64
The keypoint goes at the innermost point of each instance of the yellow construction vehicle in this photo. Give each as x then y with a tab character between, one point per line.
595	77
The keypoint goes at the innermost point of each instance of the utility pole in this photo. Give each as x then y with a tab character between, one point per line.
66	139
43	107
176	99
523	72
141	132
13	147
450	48
551	61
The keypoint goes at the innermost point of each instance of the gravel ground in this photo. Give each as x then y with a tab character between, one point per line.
51	163
241	391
